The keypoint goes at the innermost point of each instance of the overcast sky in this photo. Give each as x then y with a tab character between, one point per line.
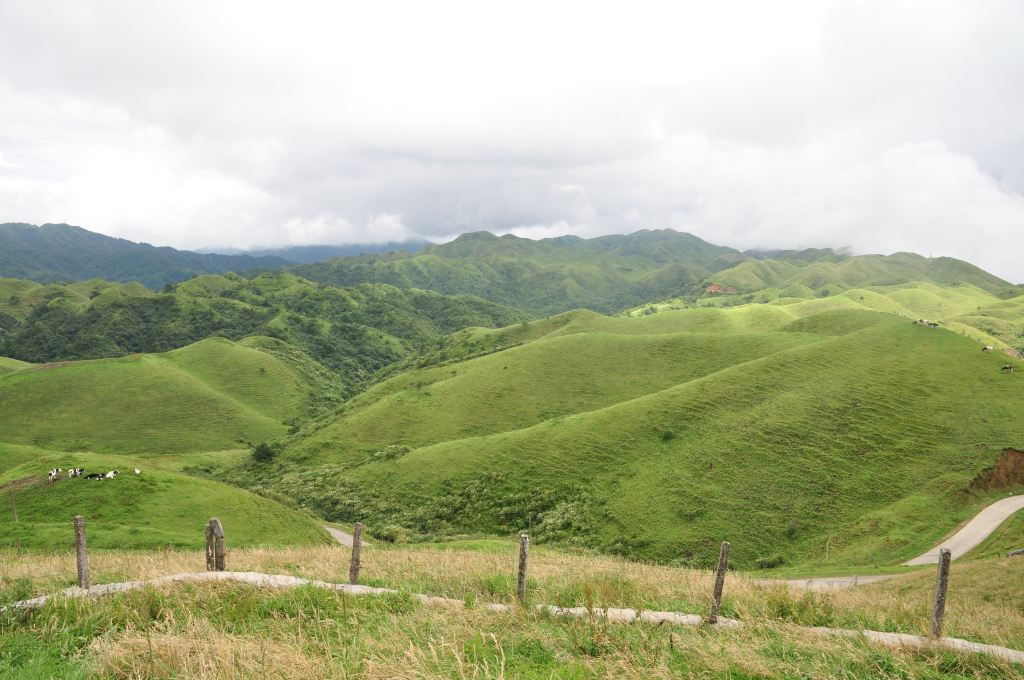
881	126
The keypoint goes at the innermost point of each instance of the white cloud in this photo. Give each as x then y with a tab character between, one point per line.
879	125
381	228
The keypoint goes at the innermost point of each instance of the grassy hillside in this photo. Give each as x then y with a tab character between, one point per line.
210	395
962	308
850	426
11	365
816	274
584	365
1009	536
155	509
13	455
353	332
60	252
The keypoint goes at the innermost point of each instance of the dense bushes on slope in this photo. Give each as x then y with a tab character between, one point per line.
354	331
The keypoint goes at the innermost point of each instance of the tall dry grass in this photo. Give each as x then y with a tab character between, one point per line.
986	600
425	642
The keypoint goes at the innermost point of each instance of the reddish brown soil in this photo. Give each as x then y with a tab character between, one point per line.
1008	471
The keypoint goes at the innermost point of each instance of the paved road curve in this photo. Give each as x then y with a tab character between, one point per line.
959	544
341	537
974	532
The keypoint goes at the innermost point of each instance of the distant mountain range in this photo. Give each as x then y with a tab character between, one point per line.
60	252
319	253
610	273
548	276
607	274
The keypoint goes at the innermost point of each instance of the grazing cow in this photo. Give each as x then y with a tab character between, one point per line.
988	348
112	474
1008	368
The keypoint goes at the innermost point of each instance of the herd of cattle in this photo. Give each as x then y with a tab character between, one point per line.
54	474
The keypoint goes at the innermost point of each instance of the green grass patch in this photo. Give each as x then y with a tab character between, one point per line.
156	508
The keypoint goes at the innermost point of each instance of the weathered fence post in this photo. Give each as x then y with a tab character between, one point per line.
524	553
357	549
214	545
941	583
81	553
716	596
210	565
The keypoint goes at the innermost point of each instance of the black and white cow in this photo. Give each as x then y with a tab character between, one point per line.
53	474
75	472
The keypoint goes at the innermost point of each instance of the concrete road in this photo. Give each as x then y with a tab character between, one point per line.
343	537
974	532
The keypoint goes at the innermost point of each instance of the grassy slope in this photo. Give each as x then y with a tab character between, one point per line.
11	365
13	455
231	631
868	435
857	272
19	297
157	508
1009	536
529	384
963	308
210	395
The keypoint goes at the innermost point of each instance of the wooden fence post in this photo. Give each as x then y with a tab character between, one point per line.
81	553
941	583
524	553
716	596
216	537
210	565
357	549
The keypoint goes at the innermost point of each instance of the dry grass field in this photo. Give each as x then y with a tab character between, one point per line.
231	631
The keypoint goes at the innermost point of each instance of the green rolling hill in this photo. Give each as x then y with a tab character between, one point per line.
212	395
155	509
963	308
821	270
772	426
589	363
11	365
